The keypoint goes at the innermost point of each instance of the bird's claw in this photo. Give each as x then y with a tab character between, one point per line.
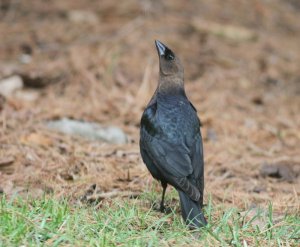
162	209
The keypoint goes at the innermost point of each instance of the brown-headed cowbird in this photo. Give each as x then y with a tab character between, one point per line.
170	139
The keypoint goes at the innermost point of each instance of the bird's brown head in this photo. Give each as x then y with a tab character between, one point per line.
170	68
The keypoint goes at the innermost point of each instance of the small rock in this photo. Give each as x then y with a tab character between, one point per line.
25	58
279	171
91	131
9	85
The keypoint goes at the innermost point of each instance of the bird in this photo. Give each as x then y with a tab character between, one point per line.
170	139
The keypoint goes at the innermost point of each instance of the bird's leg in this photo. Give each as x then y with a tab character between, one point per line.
162	206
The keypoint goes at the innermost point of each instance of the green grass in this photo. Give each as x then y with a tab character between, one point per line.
51	222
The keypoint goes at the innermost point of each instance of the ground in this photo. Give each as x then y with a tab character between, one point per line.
96	61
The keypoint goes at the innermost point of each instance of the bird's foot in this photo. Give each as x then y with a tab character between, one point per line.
166	210
162	209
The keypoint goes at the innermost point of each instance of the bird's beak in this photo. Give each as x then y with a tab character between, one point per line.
161	48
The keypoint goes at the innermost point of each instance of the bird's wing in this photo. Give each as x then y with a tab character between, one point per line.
198	165
175	165
173	160
197	157
197	160
194	108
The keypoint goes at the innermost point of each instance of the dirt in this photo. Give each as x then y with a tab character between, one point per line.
96	61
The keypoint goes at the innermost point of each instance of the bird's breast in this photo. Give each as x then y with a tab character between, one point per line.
177	121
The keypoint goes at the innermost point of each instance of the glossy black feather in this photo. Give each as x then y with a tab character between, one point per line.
171	142
169	134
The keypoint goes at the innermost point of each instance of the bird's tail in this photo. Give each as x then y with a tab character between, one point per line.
191	211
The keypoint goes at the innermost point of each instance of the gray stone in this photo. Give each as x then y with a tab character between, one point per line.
9	85
91	131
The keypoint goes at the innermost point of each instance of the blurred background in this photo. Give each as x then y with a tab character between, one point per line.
76	75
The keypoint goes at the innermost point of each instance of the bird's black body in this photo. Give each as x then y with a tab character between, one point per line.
171	143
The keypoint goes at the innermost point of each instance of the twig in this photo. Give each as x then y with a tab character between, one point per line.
111	194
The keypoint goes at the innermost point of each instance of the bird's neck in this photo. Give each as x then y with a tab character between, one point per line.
171	86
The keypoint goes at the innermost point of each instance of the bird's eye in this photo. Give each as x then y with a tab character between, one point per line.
169	56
